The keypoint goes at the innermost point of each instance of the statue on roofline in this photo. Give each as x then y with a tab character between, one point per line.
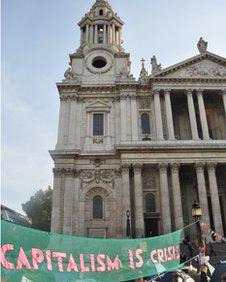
155	66
202	45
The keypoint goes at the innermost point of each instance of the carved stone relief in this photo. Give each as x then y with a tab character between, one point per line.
149	179
144	103
98	176
204	69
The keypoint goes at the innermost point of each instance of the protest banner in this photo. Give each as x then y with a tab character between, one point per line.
42	256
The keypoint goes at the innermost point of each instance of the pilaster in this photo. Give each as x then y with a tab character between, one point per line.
214	195
202	191
134	117
125	194
138	200
55	215
178	213
123	117
72	122
165	204
62	120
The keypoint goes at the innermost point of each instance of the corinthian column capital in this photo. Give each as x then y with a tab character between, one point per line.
189	91
137	168
125	168
199	91
163	167
156	91
167	91
199	166
211	166
175	167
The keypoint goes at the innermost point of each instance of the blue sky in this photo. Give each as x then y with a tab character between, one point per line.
37	37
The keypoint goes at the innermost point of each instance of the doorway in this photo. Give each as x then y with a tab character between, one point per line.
151	227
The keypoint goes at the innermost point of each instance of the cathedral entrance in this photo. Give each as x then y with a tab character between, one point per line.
151	227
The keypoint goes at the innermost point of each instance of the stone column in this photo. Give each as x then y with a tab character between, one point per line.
91	34
202	191
169	115
192	116
123	117
113	33
120	36
158	115
68	201
214	198
202	112
119	201
109	34
88	129
72	121
78	120
224	99
108	130
125	195
134	117
62	119
95	34
177	205
165	203
87	33
81	37
66	120
138	201
55	216
75	217
81	227
105	35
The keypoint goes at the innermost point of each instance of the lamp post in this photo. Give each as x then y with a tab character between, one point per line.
197	214
128	227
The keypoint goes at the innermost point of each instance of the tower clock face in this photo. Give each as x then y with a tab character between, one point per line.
99	62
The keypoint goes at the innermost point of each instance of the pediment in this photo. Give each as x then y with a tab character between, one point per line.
205	65
98	105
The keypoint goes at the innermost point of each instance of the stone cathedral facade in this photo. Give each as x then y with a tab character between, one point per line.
150	146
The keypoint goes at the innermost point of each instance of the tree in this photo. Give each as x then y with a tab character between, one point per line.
38	209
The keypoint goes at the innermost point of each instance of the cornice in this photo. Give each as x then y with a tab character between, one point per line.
184	80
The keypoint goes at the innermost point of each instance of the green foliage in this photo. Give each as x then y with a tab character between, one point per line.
38	209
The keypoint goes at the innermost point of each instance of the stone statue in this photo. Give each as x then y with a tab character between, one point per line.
125	75
202	45
155	66
69	74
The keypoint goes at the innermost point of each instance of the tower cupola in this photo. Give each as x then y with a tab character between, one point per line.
101	26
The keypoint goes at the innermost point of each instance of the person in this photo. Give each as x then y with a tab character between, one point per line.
211	249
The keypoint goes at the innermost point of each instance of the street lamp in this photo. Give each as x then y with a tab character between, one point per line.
197	214
128	231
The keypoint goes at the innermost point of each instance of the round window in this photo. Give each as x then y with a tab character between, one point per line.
99	62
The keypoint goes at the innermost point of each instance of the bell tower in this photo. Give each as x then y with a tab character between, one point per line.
100	58
101	27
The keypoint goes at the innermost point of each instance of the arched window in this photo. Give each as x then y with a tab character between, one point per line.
97	207
101	12
145	123
150	205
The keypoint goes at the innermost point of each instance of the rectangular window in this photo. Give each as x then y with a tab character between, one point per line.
98	124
